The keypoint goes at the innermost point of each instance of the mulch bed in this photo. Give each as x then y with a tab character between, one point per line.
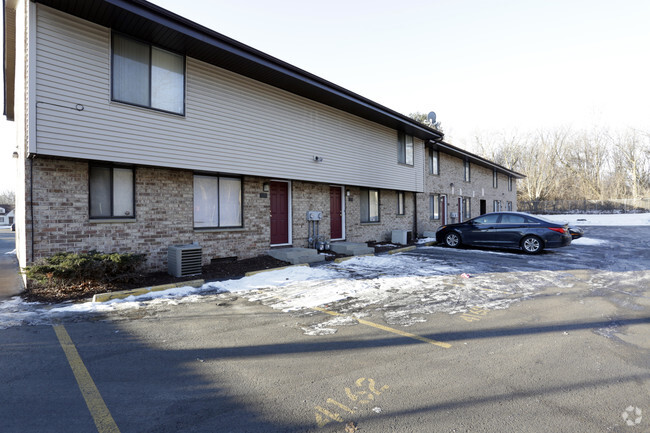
222	269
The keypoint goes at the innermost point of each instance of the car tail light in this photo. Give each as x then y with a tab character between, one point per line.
557	229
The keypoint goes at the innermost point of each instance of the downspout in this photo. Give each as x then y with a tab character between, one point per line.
415	216
31	200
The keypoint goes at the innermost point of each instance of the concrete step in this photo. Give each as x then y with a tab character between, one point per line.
351	248
296	256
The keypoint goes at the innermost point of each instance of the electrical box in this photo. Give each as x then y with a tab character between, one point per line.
314	215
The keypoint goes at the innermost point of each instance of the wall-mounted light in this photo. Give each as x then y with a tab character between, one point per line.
265	187
318	159
347	192
15	155
451	185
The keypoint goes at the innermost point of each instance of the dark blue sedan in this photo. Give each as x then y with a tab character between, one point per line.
506	230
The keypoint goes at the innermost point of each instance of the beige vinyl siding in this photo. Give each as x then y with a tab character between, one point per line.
232	124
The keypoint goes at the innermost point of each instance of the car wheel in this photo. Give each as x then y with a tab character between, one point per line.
452	240
532	245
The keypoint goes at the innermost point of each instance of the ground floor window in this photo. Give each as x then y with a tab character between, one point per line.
111	191
217	201
434	206
467	208
509	204
496	206
400	203
369	205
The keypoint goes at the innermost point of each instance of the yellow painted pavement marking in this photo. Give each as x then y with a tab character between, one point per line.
388	329
100	413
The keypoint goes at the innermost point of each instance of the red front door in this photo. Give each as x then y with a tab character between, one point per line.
279	213
336	213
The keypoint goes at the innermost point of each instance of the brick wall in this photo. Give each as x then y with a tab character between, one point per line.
164	212
479	188
164	216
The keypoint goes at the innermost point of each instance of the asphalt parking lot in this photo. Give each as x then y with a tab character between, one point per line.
556	342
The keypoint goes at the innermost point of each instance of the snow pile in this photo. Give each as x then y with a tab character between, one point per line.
629	219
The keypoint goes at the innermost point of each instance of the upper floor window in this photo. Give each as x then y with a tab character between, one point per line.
147	76
400	203
509	183
369	205
466	172
405	149
434	162
495	179
217	201
111	191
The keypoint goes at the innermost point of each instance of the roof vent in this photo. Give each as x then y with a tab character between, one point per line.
184	260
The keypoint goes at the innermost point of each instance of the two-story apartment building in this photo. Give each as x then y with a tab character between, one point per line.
140	129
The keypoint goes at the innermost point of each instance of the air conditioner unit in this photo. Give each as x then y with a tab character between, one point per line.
184	260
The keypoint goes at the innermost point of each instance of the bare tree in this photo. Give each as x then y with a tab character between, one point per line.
7	197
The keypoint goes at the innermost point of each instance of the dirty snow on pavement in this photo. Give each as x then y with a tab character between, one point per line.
402	289
398	287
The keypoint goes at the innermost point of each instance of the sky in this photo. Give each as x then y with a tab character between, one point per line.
483	66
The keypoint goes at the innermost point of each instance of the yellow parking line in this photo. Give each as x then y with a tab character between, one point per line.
388	329
100	413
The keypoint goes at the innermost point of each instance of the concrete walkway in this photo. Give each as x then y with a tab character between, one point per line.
10	281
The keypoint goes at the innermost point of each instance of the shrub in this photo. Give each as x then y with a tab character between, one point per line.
90	266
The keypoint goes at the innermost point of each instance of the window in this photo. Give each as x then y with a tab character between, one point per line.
496	206
369	205
466	172
147	76
509	183
434	200
434	162
495	179
509	206
405	149
217	201
400	203
486	219
111	192
467	208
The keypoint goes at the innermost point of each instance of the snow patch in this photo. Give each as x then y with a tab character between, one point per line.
628	219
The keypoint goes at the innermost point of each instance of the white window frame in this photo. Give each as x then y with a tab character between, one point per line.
367	202
434	206
216	202
152	73
434	163
405	149
114	189
401	205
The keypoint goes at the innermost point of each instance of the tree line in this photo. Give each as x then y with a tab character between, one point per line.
564	164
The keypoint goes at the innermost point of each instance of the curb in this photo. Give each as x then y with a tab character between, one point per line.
103	297
428	244
401	250
344	259
248	274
